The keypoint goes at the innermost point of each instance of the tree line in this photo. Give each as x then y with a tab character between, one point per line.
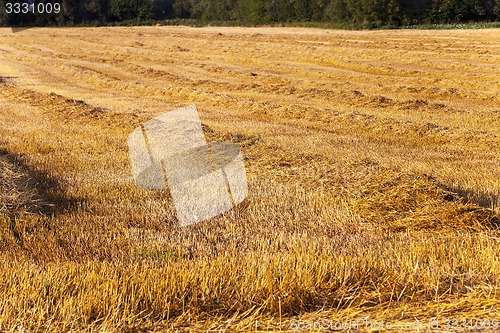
361	13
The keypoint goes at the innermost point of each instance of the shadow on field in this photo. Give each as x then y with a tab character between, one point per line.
483	199
25	189
7	79
479	202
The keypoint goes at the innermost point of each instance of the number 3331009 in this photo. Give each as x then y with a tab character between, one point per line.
26	7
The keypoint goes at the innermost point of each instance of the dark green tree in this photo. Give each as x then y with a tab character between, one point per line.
121	10
182	9
384	12
163	9
252	11
336	11
279	10
4	18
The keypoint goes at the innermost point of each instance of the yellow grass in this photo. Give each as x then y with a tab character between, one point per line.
373	161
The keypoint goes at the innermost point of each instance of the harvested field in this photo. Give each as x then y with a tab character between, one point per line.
373	160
